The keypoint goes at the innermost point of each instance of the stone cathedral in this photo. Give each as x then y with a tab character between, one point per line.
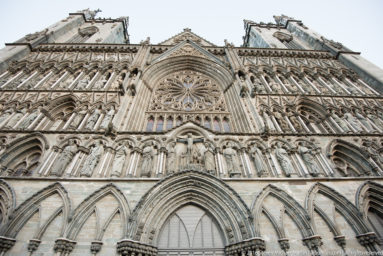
188	148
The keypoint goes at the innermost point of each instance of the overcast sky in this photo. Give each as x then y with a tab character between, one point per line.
356	24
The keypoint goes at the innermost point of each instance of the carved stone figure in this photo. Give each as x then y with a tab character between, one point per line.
119	159
16	118
269	125
284	159
364	121
373	118
64	159
282	122
108	118
191	153
92	120
209	159
307	155
92	160
147	160
260	166
5	115
29	119
230	155
83	83
78	118
100	83
342	124
352	121
171	159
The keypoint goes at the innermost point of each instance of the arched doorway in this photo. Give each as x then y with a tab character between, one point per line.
190	231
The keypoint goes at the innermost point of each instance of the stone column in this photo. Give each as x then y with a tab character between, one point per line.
69	121
353	85
312	84
27	80
369	87
161	162
297	84
90	84
340	85
325	84
13	79
45	78
76	80
82	124
59	80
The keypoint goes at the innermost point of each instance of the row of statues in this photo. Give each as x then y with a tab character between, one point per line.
20	119
70	81
343	122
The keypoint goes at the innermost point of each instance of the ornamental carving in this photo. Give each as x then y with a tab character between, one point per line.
188	91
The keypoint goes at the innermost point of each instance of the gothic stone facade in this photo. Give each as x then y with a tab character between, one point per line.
185	147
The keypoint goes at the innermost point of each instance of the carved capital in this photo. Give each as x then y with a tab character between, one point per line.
129	247
367	239
284	244
248	247
95	247
64	245
33	245
6	243
313	242
340	240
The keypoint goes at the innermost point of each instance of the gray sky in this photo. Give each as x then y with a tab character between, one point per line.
356	24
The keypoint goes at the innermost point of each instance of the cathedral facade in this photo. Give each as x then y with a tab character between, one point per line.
188	148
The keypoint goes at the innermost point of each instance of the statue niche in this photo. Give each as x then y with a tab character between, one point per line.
190	151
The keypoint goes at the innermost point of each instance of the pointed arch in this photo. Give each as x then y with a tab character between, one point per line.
296	212
7	201
342	205
191	187
30	206
349	159
88	206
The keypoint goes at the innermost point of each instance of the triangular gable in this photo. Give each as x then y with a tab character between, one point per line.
187	48
187	35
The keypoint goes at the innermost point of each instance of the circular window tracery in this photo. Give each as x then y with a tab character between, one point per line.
188	91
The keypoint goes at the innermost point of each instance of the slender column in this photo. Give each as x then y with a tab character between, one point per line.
290	124
353	85
12	79
99	120
59	80
281	84
21	119
83	121
104	158
35	121
45	121
297	84
246	162
45	78
133	161
111	78
352	127
90	84
27	80
323	166
276	123
335	124
7	119
46	162
303	124
325	84
369	87
302	164
312	84
73	163
340	85
56	154
160	160
330	170
275	163
265	83
69	120
4	74
76	80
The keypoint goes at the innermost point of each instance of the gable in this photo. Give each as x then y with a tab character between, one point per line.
187	35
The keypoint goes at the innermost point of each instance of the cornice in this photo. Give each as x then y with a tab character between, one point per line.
67	47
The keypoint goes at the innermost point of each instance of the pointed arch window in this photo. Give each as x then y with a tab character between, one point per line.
226	125
216	124
160	124
207	123
169	123
149	125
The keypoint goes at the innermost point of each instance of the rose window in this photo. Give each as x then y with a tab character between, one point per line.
188	91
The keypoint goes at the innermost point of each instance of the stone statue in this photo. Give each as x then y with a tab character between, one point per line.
260	166
100	83
295	122
308	158
5	115
92	120
78	118
352	121
119	160
147	160
282	122
364	121
191	153
342	124
171	159
230	155
268	122
83	83
373	118
64	159
284	159
92	160
29	119
16	118
209	159
108	118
